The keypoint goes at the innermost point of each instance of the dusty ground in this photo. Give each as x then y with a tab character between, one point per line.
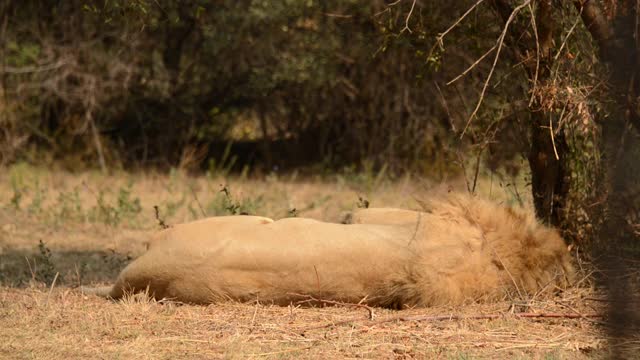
92	225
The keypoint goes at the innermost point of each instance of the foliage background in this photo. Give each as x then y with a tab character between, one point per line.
289	83
316	86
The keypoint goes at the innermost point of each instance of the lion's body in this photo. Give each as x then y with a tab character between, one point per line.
387	216
462	249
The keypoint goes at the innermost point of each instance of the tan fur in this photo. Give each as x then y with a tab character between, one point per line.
386	216
460	249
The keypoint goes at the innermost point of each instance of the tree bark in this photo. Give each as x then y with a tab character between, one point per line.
549	149
619	49
616	40
549	183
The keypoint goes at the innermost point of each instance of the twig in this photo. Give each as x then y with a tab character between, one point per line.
406	20
164	12
342	16
204	214
577	312
255	313
564	41
535	34
553	141
472	65
310	299
499	43
514	186
33	69
458	317
317	277
415	230
53	283
464	171
33	274
496	316
446	107
477	170
161	222
441	36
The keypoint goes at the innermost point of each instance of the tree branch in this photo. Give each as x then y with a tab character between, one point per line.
596	23
499	44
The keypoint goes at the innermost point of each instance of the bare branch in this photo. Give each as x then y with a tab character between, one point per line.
406	20
564	41
33	69
472	65
309	299
440	38
341	16
535	75
454	317
499	43
553	139
442	35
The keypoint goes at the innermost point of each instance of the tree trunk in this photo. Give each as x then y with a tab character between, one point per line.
548	155
549	182
616	241
549	149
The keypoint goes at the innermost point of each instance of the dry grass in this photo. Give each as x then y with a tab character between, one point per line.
65	324
89	246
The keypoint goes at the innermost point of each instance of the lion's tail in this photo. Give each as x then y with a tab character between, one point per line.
102	291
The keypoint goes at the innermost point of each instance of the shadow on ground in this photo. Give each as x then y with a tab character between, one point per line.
19	268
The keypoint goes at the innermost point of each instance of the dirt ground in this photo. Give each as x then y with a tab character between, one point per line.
60	230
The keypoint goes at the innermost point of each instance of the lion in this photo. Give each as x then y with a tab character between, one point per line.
460	249
386	216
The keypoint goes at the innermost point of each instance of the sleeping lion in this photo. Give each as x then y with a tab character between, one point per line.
459	249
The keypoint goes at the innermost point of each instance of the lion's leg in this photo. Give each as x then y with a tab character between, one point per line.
102	291
138	276
114	292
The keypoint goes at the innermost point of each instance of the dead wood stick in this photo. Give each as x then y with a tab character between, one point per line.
457	317
310	299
